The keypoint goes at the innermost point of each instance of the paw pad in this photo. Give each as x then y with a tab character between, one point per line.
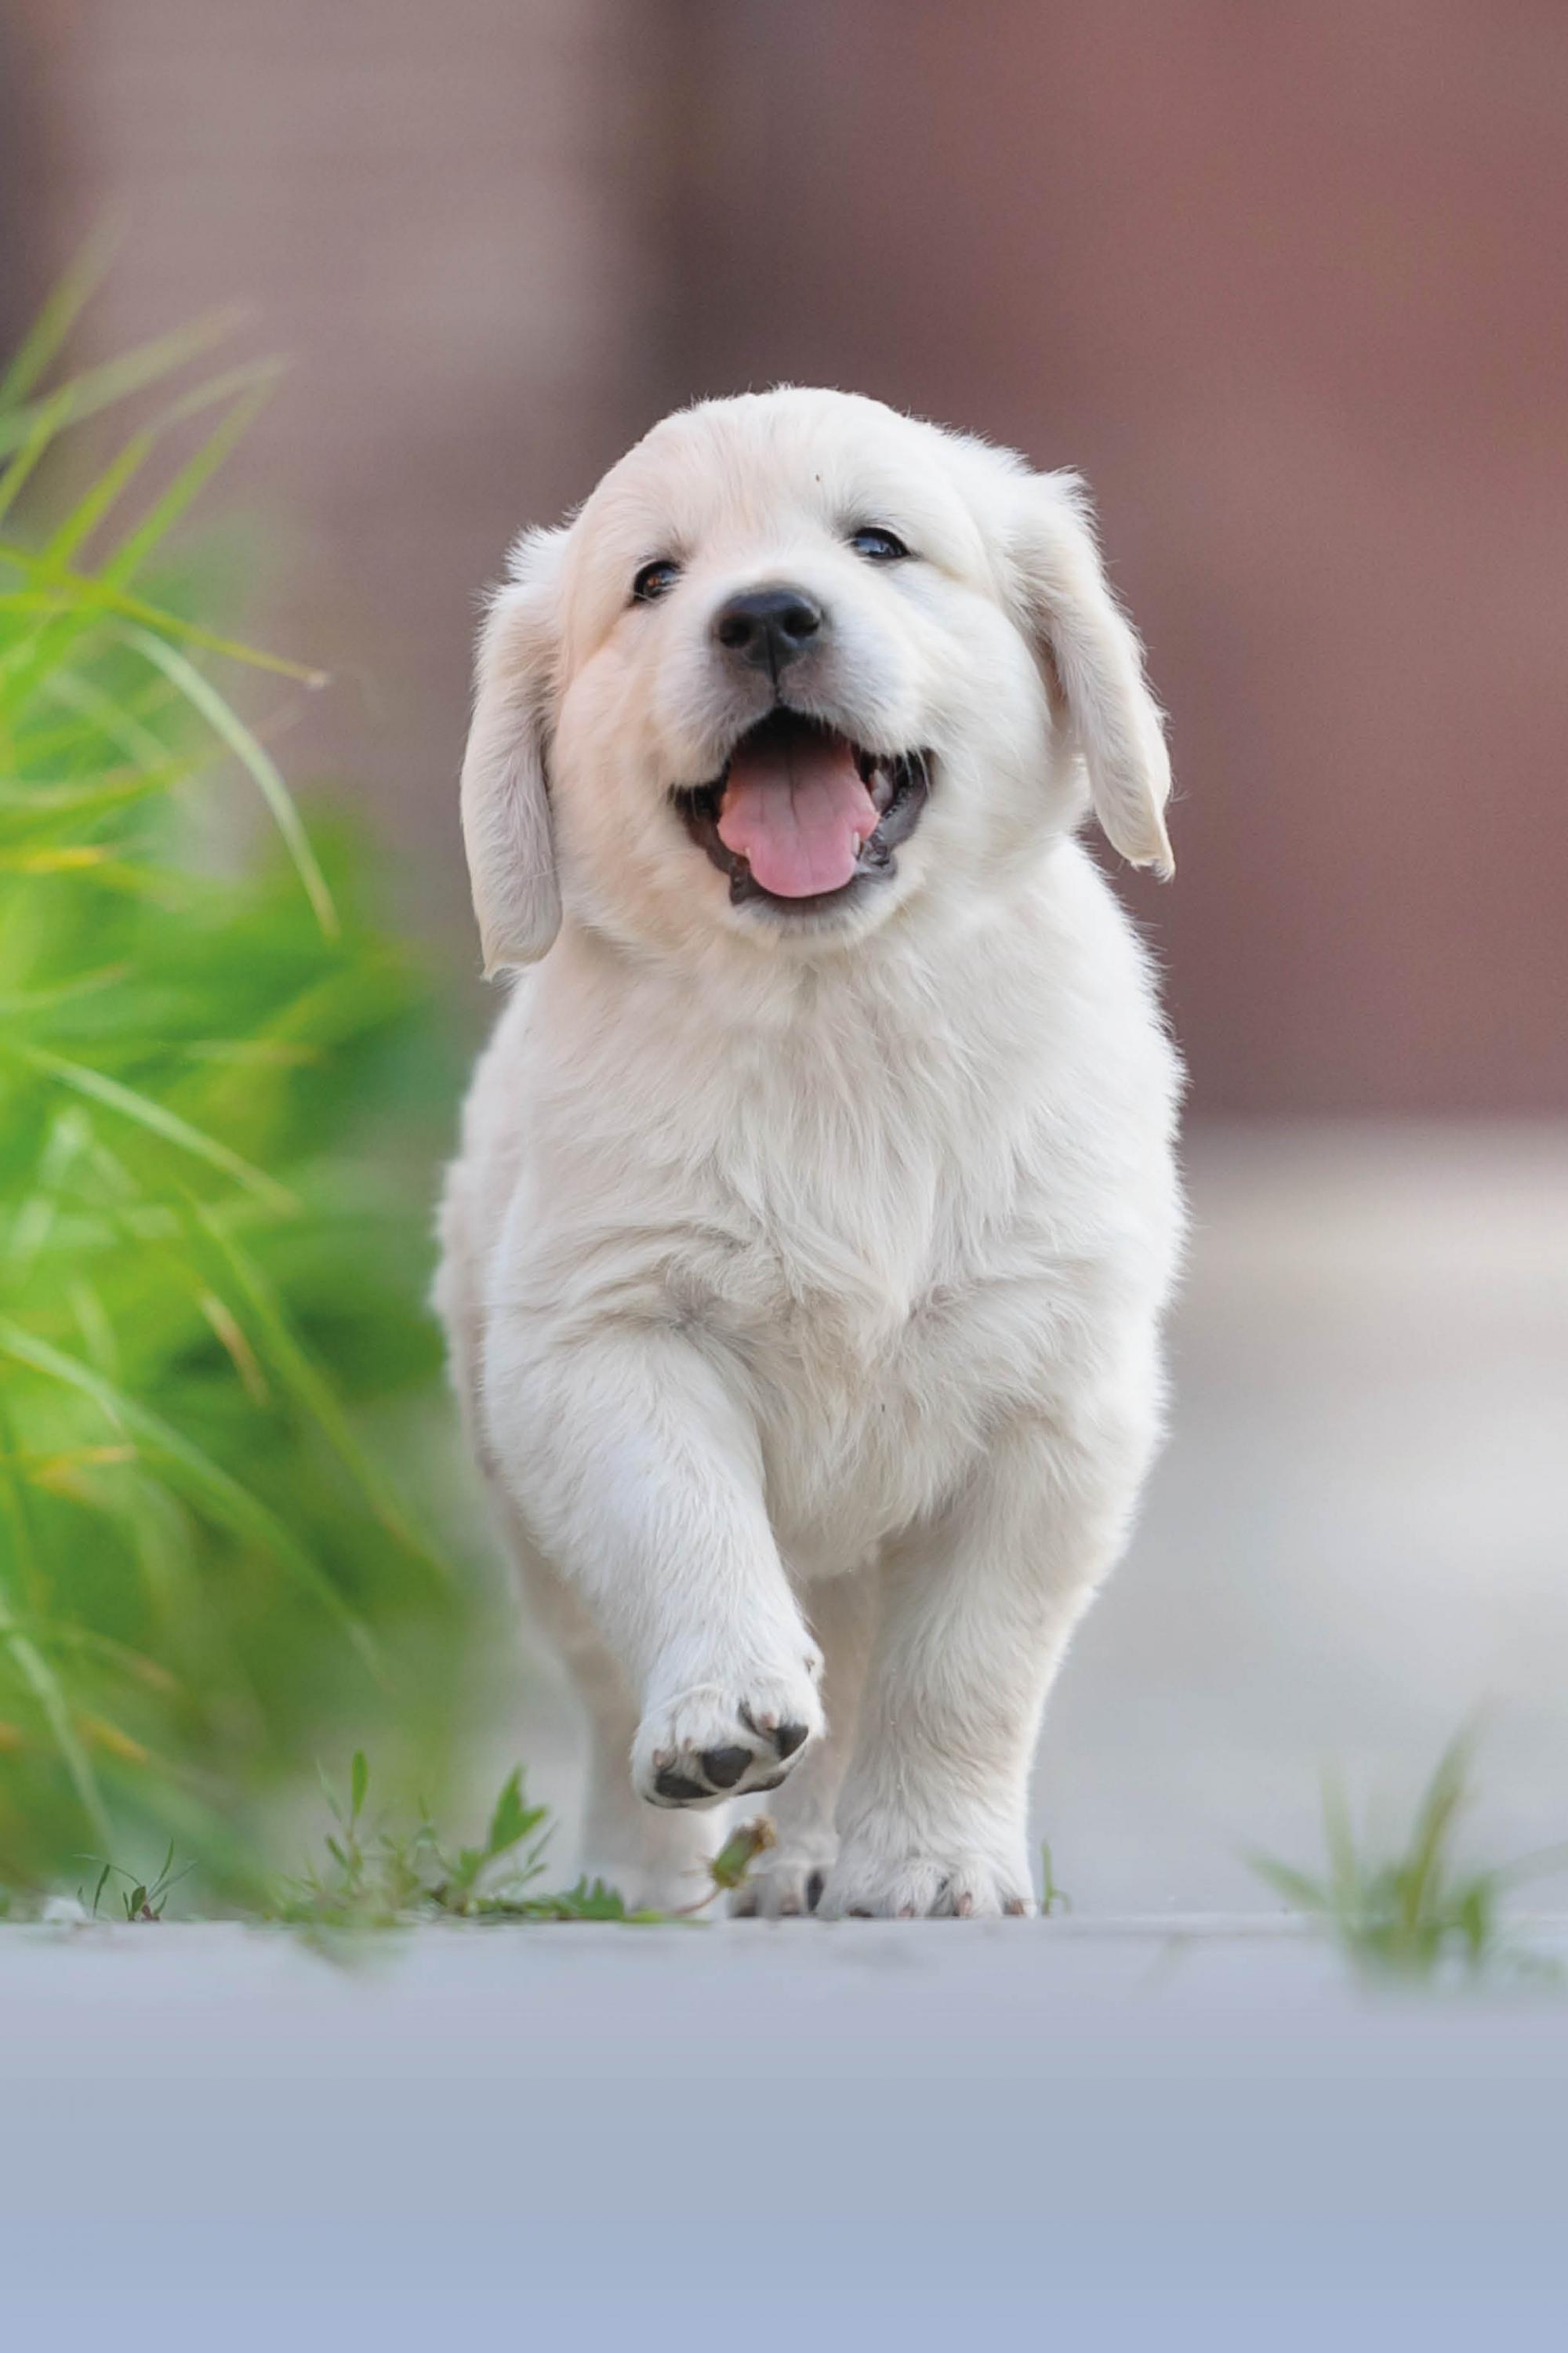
704	1747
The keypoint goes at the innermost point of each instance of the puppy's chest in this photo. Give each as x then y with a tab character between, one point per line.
877	1358
829	1302
879	1322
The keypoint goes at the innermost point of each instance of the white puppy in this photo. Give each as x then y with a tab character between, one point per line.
817	1206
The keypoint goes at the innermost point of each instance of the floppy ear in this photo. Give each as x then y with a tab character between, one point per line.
1083	633
505	793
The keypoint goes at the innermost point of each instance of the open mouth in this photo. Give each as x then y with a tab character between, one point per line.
802	817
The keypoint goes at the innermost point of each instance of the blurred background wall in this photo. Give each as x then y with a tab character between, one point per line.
1286	284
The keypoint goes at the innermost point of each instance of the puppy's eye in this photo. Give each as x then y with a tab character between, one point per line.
654	581
876	545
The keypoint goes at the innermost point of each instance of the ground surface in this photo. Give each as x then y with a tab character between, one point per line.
865	2134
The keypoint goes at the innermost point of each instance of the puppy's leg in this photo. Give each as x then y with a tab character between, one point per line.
977	1612
789	1879
640	1473
656	1858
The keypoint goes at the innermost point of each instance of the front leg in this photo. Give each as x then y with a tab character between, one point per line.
638	1473
978	1608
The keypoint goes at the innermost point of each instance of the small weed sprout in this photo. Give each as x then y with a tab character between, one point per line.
386	1878
1417	1915
730	1867
144	1900
1053	1899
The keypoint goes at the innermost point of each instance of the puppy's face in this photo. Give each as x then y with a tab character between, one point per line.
800	667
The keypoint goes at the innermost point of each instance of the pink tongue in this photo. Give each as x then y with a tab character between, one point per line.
797	814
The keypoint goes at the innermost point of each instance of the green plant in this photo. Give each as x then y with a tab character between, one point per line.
391	1876
1053	1899
215	1088
144	1899
1417	1913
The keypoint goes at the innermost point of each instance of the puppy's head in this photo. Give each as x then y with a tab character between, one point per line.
799	667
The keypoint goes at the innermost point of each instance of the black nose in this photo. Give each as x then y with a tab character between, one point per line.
768	627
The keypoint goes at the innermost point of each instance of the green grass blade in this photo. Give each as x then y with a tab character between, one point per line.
53	1706
95	502
246	389
119	722
160	1121
34	1668
50	331
86	598
28	809
313	1392
192	478
211	1487
1421	1870
259	763
50	417
98	389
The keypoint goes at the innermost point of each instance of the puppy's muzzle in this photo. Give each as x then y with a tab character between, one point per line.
767	629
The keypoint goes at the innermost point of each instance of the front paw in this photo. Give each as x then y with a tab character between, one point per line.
729	1739
878	1879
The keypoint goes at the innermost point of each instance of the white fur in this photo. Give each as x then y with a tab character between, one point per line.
804	1275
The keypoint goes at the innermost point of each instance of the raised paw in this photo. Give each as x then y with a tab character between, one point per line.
713	1743
875	1884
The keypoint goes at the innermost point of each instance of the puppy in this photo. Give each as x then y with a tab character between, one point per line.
805	1257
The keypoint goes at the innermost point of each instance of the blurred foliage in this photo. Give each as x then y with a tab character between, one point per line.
218	1094
1416	1913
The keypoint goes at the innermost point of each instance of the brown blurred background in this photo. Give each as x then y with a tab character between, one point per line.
1287	283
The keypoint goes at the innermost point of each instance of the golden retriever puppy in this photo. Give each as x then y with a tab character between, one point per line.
817	1206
